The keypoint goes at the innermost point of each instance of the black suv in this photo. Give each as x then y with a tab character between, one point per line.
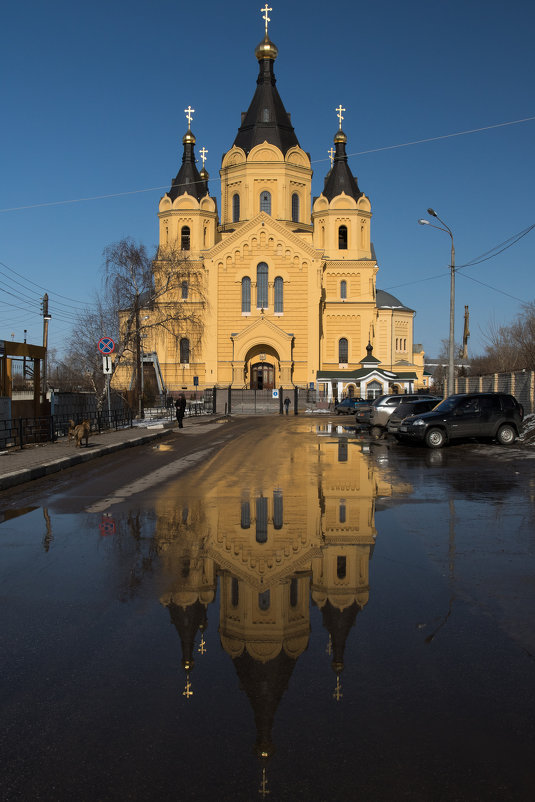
496	415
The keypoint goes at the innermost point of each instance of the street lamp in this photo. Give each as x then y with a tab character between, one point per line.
451	344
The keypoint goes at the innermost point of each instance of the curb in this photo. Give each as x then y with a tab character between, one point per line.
39	471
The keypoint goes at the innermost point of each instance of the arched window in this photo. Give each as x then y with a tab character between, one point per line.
184	351
342	238
246	295
265	115
245	515
264	600
343	289
185	238
295	207
277	509
265	202
279	295
342	350
261	519
262	286
235	208
184	290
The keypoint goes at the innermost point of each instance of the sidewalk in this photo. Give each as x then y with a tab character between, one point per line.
34	462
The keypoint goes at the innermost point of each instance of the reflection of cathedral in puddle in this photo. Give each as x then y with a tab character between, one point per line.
274	549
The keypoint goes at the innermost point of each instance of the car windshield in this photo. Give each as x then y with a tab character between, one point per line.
448	404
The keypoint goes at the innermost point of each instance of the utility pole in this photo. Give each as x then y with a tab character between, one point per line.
46	318
139	367
24	360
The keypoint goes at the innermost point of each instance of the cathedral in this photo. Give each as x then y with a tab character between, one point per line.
283	285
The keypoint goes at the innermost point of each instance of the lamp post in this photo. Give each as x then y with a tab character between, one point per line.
451	343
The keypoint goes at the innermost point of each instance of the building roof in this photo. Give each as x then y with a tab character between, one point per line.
386	301
266	119
188	179
339	178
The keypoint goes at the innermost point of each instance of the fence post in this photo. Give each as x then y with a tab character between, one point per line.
52	431
214	401
296	400
229	406
21	433
281	411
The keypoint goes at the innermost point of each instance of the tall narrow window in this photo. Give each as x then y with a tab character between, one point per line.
184	290
235	208
261	520
262	286
279	296
245	515
342	238
265	115
234	592
264	600
265	202
245	294
185	238
342	450
293	592
342	511
341	567
343	289
342	350
184	351
277	509
295	207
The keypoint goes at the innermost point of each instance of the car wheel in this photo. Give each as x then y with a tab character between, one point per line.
506	435
435	438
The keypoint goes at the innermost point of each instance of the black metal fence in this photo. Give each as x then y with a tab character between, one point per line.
19	432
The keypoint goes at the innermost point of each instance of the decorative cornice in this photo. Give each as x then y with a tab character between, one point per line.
264	220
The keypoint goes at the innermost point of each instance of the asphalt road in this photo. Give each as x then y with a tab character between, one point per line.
272	604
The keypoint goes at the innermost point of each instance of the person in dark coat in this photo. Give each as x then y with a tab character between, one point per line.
180	405
286	404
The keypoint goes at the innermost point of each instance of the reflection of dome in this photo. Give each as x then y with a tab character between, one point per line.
264	684
188	620
338	623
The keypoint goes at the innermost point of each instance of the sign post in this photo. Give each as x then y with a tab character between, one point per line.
106	346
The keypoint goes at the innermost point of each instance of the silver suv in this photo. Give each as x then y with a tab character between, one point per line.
384	405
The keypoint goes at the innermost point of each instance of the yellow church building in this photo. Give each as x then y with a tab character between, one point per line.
283	286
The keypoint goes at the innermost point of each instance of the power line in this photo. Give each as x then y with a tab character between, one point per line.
315	161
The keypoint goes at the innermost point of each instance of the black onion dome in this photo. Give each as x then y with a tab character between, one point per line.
338	624
340	178
188	621
188	178
266	120
385	300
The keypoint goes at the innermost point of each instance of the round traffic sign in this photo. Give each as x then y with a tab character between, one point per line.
106	345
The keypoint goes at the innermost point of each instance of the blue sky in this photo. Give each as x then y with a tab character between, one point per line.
93	97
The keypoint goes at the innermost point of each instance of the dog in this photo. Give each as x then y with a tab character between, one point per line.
82	432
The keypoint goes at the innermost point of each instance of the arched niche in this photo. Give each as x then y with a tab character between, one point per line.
234	156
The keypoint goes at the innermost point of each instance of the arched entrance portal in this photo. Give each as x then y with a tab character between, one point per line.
262	368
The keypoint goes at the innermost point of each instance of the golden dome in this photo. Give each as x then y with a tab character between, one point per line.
340	137
188	137
266	49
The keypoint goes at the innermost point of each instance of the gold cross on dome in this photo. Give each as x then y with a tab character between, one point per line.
331	153
203	153
202	646
189	112
339	111
263	790
187	692
264	11
338	690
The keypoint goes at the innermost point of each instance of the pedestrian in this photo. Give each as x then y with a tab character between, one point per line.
286	404
180	405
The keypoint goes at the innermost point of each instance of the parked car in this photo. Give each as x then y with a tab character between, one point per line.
408	408
495	415
384	406
348	405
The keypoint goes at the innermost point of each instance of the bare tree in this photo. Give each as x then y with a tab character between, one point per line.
509	347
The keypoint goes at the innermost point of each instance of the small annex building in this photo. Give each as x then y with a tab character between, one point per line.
285	284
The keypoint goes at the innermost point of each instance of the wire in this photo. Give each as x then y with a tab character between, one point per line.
315	161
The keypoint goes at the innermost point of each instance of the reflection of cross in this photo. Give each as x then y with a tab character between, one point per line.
329	649
187	692
203	153
338	690
266	9
189	112
202	644
263	790
340	110
331	153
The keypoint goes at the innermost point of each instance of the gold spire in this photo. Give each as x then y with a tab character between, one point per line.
339	111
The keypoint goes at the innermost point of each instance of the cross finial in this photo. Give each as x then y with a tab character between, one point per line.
339	111
263	790
338	690
203	153
202	646
187	692
189	112
265	17
331	153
